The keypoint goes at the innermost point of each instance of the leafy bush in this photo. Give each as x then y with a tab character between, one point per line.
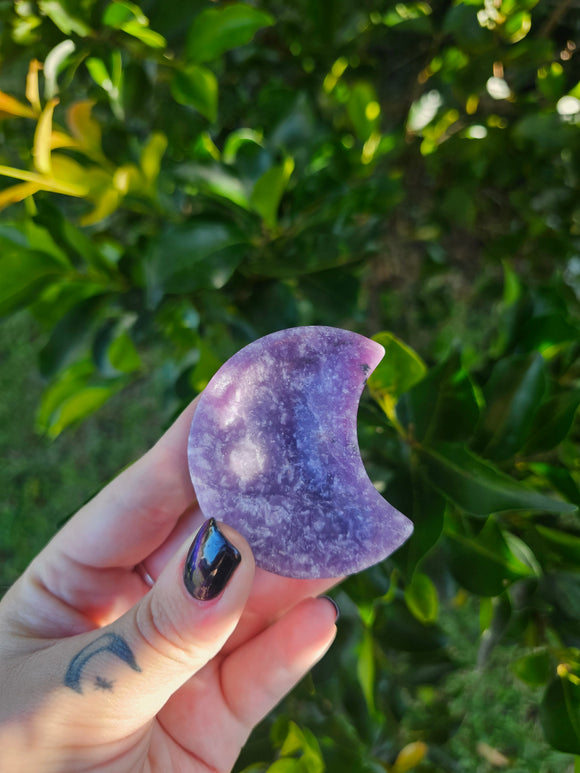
181	179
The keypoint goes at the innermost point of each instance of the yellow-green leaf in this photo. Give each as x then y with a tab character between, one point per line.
12	106
421	598
17	193
399	370
409	757
268	191
41	150
83	126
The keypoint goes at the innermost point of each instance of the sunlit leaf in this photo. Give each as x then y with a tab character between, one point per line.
53	64
152	154
32	89
269	189
217	30
422	599
399	370
66	16
198	87
83	126
11	106
15	193
409	757
41	151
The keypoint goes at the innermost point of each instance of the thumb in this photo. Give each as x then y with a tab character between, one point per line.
134	665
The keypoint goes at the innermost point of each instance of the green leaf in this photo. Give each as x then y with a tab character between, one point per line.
70	336
552	422
559	479
512	394
24	274
534	668
441	407
363	109
565	544
198	87
217	30
71	398
560	715
268	191
427	513
421	598
199	254
477	486
399	370
365	669
483	564
65	14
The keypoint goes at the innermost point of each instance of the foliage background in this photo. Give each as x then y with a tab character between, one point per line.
181	179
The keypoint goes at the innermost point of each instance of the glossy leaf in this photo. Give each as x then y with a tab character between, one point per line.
443	406
512	395
217	30
268	191
560	715
199	254
483	564
422	599
399	370
477	486
198	87
24	274
552	423
66	16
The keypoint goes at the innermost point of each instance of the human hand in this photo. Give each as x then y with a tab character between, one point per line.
101	672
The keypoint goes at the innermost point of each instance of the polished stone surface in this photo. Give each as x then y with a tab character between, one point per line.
273	451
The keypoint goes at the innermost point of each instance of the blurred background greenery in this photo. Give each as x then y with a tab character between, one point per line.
179	179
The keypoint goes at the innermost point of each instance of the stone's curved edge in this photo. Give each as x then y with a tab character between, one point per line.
293	397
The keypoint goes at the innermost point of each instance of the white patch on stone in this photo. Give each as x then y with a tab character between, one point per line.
247	460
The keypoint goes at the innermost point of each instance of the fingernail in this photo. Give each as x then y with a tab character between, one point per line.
210	563
334	604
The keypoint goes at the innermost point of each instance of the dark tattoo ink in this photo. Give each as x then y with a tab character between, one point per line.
108	642
103	684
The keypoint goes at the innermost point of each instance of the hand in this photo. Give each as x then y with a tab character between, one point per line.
101	672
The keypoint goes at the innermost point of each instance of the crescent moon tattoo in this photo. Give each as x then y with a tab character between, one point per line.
108	642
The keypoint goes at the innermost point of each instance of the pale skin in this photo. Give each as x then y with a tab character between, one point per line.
101	672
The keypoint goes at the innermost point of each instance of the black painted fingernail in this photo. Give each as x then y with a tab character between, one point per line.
334	604
210	563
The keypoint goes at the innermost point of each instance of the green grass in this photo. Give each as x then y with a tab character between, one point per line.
42	482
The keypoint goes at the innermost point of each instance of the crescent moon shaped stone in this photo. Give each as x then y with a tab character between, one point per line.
273	451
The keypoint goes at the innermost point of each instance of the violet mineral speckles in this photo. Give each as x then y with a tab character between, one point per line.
273	451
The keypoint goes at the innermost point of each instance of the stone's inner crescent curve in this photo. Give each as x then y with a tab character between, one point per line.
273	451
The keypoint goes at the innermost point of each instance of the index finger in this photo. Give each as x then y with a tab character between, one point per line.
136	512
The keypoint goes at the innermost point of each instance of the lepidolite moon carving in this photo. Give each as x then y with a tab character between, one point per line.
273	451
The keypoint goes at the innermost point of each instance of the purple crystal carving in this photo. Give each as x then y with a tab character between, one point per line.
273	451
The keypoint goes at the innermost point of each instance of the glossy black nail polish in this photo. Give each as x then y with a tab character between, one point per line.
210	563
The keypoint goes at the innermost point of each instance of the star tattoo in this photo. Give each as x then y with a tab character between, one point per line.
103	684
